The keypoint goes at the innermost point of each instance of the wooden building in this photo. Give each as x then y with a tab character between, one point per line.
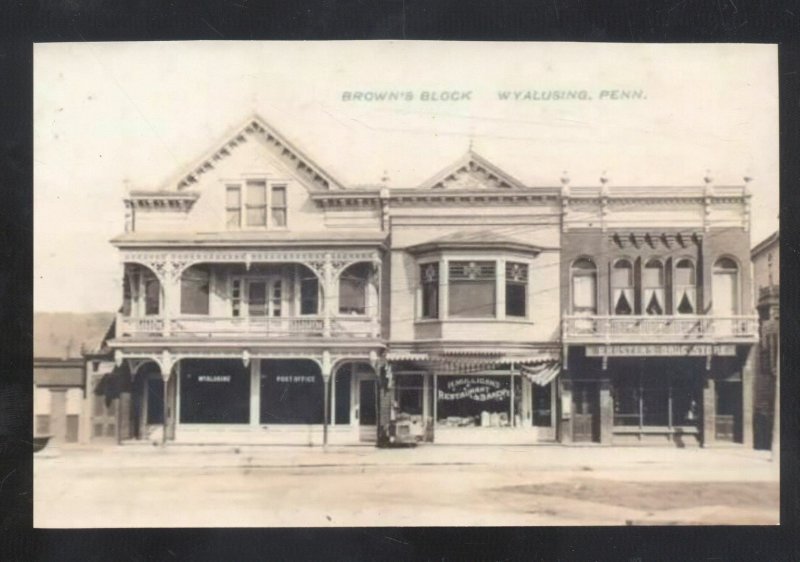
265	300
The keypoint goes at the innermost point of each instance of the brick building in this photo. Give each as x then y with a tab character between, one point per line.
658	330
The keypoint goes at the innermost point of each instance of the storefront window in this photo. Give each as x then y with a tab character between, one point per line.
656	398
214	391
409	394
474	401
472	289
342	394
292	392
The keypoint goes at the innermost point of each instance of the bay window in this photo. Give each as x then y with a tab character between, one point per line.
516	289
429	274
472	289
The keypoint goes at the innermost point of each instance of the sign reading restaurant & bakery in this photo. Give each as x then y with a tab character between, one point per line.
662	350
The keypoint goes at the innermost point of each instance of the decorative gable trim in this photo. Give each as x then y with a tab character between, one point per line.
470	172
162	200
289	154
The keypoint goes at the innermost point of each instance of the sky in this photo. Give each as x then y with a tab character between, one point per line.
110	117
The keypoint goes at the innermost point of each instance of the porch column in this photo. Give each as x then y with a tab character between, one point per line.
709	412
606	412
377	281
124	401
748	377
326	379
165	363
330	293
171	307
565	410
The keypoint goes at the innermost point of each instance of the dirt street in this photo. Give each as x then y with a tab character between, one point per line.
454	486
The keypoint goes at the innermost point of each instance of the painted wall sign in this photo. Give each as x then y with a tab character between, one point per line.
659	350
295	378
478	389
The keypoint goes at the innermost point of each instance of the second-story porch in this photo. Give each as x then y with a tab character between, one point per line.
577	329
243	294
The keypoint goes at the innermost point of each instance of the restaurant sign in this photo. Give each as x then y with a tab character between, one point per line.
659	350
479	389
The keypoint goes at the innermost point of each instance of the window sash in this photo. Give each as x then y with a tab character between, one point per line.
256	204
584	293
278	205
472	299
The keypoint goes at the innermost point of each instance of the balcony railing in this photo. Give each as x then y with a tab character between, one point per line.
209	327
659	328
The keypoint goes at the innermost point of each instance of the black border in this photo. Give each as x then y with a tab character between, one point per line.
511	20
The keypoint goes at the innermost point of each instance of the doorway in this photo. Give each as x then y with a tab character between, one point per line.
586	413
367	410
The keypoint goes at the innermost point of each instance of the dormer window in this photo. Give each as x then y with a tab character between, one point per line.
262	205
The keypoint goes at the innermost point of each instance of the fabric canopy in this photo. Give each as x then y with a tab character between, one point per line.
543	374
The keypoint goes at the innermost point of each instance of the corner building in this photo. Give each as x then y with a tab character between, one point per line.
658	324
265	301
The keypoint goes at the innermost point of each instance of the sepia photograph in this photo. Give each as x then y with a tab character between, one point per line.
405	284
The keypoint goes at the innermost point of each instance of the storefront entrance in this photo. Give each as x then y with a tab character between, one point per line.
586	412
367	410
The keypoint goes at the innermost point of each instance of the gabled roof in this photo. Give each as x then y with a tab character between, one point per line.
256	127
474	239
470	171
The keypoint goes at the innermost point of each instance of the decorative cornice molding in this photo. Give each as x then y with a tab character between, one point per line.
257	127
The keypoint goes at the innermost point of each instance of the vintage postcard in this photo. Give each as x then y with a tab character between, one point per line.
395	283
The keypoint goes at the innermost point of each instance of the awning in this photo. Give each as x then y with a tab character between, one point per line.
470	362
406	356
542	374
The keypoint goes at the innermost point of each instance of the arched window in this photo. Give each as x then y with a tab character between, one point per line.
622	287
685	284
584	287
195	290
653	300
353	289
725	287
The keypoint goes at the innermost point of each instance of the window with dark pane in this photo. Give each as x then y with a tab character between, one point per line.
429	273
195	290
516	289
472	289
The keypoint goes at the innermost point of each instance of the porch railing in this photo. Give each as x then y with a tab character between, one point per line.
657	328
211	326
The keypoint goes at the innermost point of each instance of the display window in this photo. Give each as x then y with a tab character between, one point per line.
292	392
214	391
476	401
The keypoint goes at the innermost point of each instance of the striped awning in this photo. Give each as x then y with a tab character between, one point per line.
406	356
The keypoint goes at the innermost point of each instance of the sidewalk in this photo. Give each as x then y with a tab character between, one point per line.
666	464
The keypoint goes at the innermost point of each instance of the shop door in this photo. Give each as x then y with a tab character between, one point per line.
155	401
367	411
585	422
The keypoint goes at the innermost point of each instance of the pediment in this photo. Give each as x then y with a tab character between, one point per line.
472	172
257	129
